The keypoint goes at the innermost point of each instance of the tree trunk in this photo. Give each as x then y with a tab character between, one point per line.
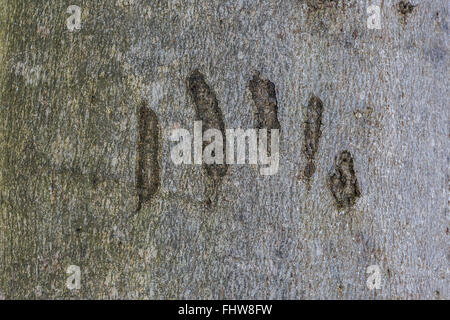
70	140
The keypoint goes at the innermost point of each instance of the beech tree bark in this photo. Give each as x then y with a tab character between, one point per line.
69	135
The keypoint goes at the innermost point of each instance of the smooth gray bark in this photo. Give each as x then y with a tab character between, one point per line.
68	123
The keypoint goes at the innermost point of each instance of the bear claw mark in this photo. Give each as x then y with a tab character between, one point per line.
320	4
147	164
265	98
312	132
343	183
207	110
405	7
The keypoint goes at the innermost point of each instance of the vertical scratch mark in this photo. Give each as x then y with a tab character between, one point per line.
148	148
207	110
265	98
343	183
312	132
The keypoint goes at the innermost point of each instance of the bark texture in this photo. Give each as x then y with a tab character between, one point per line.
69	142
